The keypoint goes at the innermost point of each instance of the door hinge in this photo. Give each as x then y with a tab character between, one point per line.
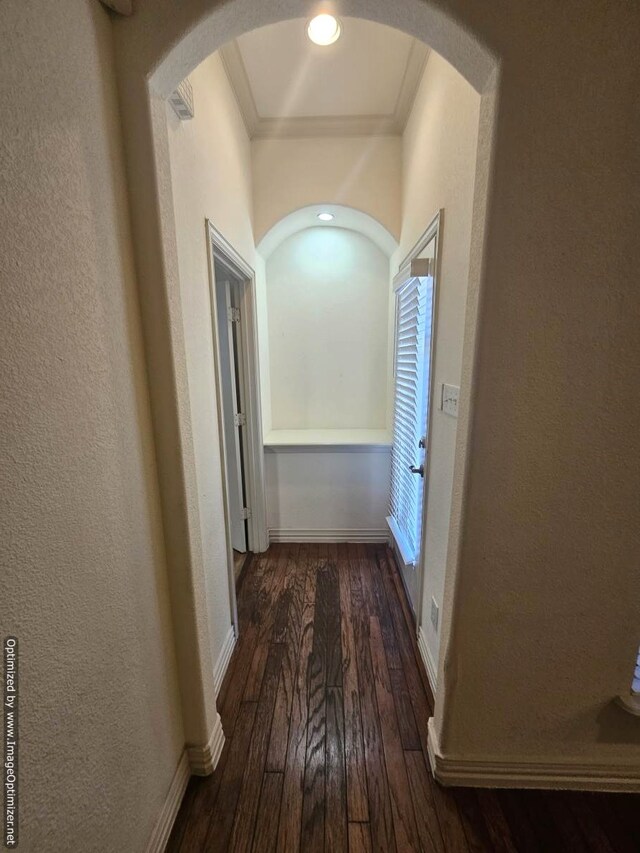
246	512
240	419
233	315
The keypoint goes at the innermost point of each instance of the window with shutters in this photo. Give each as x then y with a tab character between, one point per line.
631	701
635	682
412	363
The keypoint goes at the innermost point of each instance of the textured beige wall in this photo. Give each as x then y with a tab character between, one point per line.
439	165
360	172
211	178
548	603
545	512
83	567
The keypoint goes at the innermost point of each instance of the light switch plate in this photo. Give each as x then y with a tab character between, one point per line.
450	394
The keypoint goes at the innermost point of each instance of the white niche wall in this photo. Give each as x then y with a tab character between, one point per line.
328	310
328	446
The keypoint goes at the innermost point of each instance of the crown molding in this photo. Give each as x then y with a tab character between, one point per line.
239	81
259	127
416	63
320	126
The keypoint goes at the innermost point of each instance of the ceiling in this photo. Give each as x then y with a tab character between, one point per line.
287	86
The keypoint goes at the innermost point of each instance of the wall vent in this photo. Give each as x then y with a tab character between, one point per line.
182	100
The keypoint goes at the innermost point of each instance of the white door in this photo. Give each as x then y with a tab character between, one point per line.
415	294
233	413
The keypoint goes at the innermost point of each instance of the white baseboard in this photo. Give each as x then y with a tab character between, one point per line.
428	661
555	774
283	534
168	812
224	657
203	759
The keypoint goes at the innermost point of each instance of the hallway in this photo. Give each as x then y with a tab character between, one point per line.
325	710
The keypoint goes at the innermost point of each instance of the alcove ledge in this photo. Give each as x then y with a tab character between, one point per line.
366	440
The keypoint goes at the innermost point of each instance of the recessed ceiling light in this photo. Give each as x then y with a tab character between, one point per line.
325	217
324	29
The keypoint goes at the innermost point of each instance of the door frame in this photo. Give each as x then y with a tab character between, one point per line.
219	249
228	290
433	230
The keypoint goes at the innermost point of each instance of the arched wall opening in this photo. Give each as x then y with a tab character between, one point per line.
151	65
524	452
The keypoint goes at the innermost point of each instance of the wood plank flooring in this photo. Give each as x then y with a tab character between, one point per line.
325	709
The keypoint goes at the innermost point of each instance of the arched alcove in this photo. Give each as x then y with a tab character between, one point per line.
318	277
343	217
325	322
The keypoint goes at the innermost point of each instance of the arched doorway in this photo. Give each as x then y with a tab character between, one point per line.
154	54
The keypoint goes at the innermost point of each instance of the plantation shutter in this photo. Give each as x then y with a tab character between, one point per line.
414	307
635	684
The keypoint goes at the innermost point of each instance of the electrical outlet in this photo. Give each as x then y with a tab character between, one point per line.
435	610
450	394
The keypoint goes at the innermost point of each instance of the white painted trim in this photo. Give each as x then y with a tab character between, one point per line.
428	661
554	774
327	448
304	127
239	81
224	657
218	248
254	455
399	561
419	54
170	808
387	124
213	244
402	546
203	759
433	231
223	251
282	534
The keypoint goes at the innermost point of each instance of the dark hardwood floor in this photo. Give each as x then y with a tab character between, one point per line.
325	709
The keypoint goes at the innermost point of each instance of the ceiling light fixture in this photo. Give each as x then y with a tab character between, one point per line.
324	29
325	217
